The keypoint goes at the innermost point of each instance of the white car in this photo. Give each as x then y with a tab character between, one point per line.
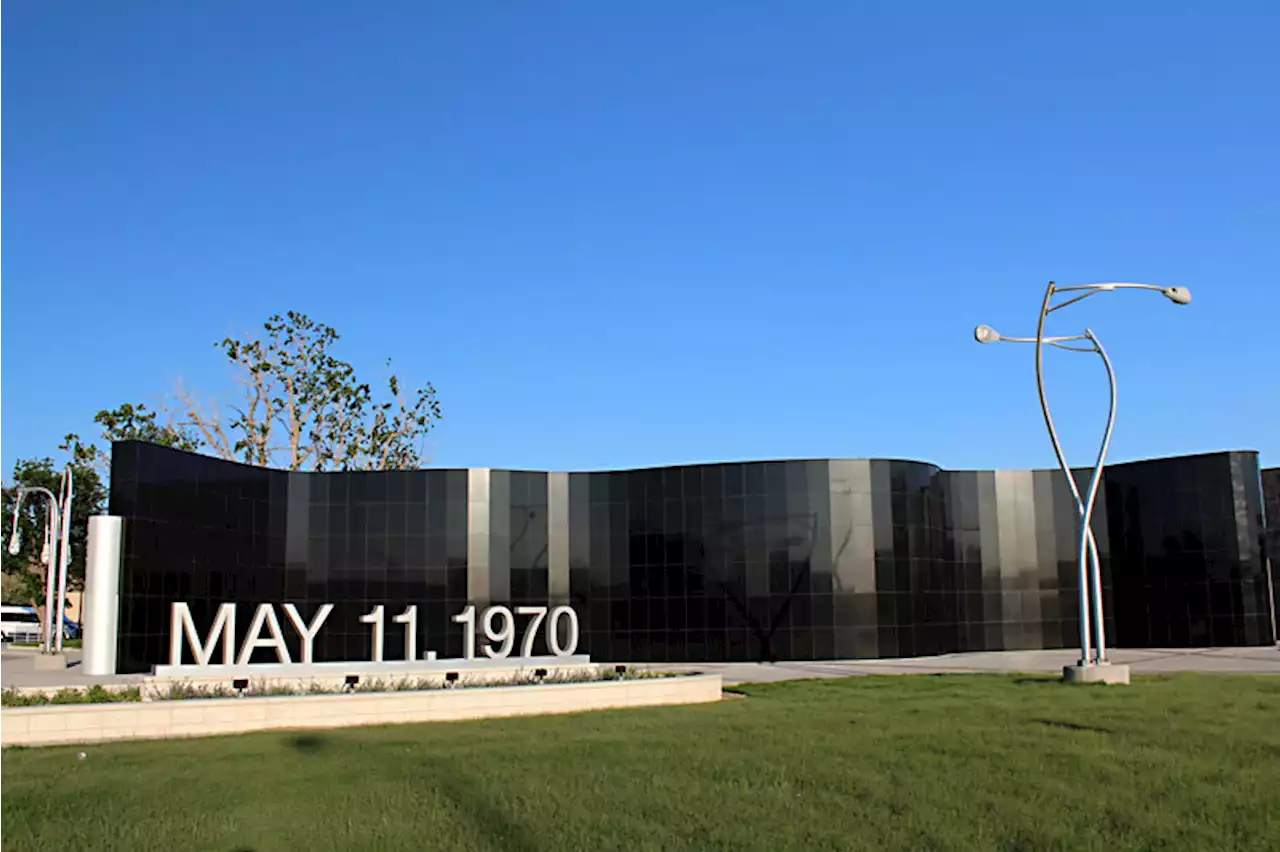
19	623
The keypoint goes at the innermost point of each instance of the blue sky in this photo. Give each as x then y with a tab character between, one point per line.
629	234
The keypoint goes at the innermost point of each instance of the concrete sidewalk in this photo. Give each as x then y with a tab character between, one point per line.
18	669
1147	661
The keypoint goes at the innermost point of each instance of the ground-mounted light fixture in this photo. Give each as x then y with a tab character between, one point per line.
450	680
539	675
240	684
620	671
350	682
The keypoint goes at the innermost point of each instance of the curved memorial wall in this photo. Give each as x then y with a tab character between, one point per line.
788	560
1271	513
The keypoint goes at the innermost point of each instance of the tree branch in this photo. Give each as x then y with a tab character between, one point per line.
210	427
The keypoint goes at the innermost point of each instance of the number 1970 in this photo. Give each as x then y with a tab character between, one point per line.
498	624
502	638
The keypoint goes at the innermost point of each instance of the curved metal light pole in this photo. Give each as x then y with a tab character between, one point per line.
57	534
1086	530
67	491
51	571
1088	565
1086	546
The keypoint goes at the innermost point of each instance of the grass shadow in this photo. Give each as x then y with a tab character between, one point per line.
476	800
308	743
1072	726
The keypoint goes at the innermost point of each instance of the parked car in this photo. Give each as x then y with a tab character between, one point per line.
21	623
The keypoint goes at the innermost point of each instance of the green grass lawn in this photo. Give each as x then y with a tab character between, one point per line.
955	762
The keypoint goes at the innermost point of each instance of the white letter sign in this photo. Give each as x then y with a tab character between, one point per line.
266	614
499	624
307	633
181	625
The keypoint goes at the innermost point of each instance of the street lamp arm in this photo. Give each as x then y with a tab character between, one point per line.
22	491
1177	295
1051	341
1113	285
987	334
1086	294
1056	342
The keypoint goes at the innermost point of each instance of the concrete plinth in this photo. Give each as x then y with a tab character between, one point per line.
1099	673
43	662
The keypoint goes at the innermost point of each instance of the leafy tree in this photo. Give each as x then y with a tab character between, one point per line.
300	408
25	571
137	422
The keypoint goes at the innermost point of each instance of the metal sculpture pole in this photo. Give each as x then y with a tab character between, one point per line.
1088	565
1086	530
64	554
1086	545
1066	470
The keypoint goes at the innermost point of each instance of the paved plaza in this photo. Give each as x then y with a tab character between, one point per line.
1148	661
18	667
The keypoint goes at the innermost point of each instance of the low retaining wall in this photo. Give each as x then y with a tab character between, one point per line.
199	717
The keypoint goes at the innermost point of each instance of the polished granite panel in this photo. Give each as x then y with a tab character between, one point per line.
1271	516
1190	537
787	560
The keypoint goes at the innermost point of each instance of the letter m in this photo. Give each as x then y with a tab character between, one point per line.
181	625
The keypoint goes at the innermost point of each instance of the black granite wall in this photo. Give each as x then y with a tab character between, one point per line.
1189	536
746	561
1271	509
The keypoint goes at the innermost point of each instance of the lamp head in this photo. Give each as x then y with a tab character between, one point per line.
1177	295
985	334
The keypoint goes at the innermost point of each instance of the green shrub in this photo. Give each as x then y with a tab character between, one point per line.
185	690
95	694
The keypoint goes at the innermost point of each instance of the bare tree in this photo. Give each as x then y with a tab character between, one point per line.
298	407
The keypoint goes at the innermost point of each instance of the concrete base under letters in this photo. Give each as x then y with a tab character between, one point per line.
1097	673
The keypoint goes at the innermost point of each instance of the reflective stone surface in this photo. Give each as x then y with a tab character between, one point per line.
791	560
1271	511
1187	546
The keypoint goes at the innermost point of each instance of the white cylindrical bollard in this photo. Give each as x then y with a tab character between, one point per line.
101	610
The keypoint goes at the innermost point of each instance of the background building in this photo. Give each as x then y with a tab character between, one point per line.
839	558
